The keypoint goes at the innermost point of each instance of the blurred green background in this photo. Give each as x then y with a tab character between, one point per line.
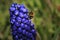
46	18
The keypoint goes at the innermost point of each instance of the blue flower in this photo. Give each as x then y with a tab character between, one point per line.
21	26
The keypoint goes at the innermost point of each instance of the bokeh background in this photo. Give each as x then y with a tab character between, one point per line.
46	18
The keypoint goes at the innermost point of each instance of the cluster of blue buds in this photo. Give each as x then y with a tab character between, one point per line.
21	26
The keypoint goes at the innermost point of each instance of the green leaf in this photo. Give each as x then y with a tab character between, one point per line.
41	32
6	33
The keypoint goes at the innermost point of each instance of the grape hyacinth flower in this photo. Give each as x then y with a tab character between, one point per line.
21	26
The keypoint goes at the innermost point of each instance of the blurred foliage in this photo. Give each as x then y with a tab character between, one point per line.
46	18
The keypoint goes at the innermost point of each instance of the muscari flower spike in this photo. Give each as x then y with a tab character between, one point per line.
21	26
